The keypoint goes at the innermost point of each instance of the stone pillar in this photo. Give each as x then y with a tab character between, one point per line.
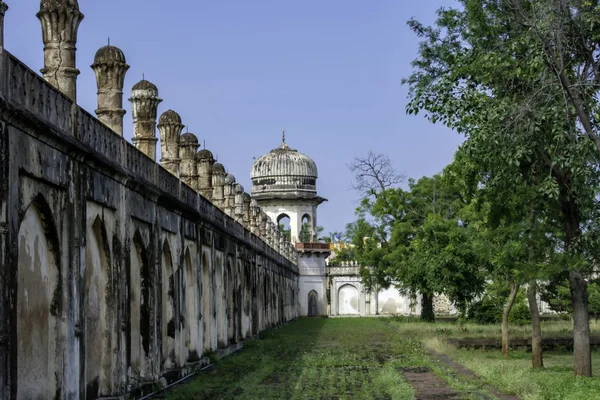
218	185
170	127
239	203
188	146
144	105
110	67
60	21
229	195
282	244
3	8
263	220
205	161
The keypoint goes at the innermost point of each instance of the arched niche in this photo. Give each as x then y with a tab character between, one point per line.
139	306
97	292
38	304
167	308
207	314
220	297
191	308
230	303
348	300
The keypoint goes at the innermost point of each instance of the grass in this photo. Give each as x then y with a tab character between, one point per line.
355	358
513	375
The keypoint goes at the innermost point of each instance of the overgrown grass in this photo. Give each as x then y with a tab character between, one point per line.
455	330
355	358
513	375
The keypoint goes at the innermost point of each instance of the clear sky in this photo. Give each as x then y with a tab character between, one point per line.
238	71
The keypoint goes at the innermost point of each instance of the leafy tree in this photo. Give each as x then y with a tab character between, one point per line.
520	80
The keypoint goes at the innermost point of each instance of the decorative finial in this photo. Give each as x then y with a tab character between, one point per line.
143	76
109	40
283	135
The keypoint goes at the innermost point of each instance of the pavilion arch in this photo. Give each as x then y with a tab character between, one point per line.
306	229
348	300
168	308
98	301
192	322
207	295
39	295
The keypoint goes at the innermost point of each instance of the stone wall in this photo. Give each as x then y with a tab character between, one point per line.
113	273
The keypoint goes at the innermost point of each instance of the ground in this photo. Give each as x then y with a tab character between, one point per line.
333	358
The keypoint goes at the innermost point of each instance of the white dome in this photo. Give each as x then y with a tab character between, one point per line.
284	172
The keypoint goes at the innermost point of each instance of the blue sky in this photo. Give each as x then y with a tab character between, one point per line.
239	71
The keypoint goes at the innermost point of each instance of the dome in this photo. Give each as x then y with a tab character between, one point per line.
229	179
145	85
188	138
109	55
218	167
169	117
206	155
284	173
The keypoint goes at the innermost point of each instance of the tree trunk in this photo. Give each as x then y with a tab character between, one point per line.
514	289
582	356
427	313
537	360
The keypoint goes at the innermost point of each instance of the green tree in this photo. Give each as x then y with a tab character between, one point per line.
520	80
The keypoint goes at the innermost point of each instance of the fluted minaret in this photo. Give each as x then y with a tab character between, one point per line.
60	22
263	220
205	161
188	146
254	217
247	200
239	203
3	8
144	105
229	195
170	127
218	185
110	67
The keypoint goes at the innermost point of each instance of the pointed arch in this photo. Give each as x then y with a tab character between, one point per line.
139	305
348	299
38	300
191	308
167	308
96	322
230	298
207	314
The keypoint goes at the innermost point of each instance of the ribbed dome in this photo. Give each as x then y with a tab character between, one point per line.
284	172
169	117
145	85
218	167
188	138
109	54
205	154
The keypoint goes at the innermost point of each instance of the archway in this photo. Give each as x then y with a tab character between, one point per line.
97	336
230	304
348	300
306	229
139	306
283	224
38	305
219	295
168	309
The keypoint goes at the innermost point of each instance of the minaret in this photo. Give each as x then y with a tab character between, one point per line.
60	22
205	173
229	195
218	185
144	106
110	68
254	217
247	200
3	8
170	127
188	146
239	203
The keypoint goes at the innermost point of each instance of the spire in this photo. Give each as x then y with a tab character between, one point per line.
283	136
